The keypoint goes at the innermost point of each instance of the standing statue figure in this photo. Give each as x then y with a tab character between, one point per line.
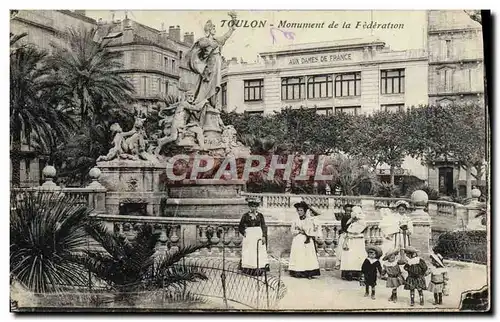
180	119
205	59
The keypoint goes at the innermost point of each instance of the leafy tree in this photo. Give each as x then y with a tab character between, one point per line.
454	133
46	234
379	138
89	71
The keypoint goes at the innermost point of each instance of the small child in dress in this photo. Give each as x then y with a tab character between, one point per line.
394	275
417	269
369	269
439	278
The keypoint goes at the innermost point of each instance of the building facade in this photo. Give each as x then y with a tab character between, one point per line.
358	76
456	76
152	59
355	76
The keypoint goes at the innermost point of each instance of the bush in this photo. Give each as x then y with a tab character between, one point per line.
470	246
387	190
433	194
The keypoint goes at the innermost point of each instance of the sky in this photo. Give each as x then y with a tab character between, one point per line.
247	43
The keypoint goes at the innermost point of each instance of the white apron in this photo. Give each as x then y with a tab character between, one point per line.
303	256
352	259
249	249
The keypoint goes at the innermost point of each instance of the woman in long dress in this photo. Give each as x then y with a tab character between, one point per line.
253	247
344	224
303	257
353	248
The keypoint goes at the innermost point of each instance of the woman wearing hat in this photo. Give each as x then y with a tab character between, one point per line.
353	247
253	247
303	257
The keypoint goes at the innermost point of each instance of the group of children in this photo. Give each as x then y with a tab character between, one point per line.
415	267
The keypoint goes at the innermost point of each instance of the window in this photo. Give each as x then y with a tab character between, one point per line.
166	87
448	48
173	65
292	88
159	86
352	110
392	81
319	86
261	113
144	85
180	54
324	111
348	84
223	90
165	63
392	107
253	90
448	79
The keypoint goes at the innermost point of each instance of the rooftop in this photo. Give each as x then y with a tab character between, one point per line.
326	45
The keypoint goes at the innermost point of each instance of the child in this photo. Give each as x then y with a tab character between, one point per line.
394	275
439	278
369	269
416	268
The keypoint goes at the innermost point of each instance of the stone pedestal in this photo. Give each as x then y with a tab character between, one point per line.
205	199
133	187
420	239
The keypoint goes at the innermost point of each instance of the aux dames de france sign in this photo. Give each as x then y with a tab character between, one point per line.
320	59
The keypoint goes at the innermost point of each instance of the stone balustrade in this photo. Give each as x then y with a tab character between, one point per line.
222	235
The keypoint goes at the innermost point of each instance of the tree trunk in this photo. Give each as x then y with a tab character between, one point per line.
392	174
15	157
455	184
468	178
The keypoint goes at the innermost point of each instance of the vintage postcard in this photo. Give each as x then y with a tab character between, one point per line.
239	161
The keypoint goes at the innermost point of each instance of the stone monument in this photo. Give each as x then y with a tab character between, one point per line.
132	168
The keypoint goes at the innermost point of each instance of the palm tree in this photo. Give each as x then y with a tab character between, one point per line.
135	265
34	108
46	232
89	70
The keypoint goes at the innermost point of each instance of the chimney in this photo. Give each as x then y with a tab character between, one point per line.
189	38
174	33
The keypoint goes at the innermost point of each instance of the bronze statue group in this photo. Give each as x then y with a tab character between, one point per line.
395	260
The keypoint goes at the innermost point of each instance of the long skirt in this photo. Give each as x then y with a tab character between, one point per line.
250	262
303	258
353	258
338	250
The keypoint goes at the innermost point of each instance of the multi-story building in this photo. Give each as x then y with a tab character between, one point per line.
357	76
456	68
152	59
456	76
354	76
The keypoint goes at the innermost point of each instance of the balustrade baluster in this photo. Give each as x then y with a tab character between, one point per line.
174	238
329	240
203	234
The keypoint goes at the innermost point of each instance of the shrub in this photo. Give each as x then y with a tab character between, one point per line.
468	246
433	194
387	190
